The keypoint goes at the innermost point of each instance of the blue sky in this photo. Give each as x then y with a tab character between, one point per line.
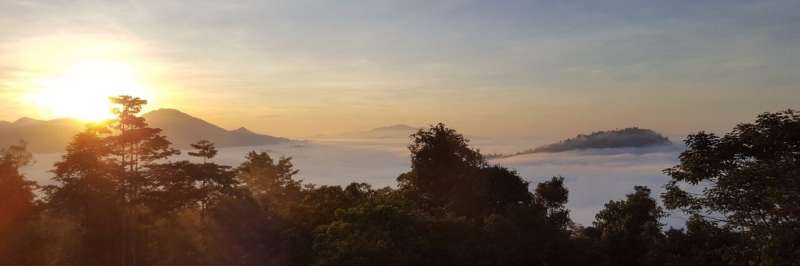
504	68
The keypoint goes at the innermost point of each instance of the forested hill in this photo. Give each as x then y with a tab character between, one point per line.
632	137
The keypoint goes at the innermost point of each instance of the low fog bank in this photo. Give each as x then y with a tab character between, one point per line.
593	176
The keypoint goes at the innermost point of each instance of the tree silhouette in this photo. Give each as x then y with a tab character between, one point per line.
87	191
271	182
440	158
16	193
17	207
629	230
750	179
205	149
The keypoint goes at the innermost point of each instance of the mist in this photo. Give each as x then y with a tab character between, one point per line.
593	177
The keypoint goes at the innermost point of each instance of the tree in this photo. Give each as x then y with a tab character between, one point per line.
446	172
86	191
370	234
440	158
103	179
704	242
629	230
749	179
205	149
136	145
16	193
18	238
212	181
553	195
271	182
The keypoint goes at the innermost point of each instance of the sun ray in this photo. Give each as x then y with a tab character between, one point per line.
83	89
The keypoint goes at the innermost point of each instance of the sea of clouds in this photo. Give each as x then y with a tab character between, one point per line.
593	177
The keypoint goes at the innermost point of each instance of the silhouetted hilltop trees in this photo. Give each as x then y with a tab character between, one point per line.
632	137
750	180
120	198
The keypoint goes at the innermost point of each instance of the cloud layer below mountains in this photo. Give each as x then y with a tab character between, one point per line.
593	177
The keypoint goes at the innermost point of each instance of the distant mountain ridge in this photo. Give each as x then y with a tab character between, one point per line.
632	137
391	131
41	135
181	129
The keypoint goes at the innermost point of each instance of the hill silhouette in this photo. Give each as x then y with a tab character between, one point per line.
183	129
44	136
632	137
41	135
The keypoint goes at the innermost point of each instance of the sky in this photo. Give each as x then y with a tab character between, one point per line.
489	68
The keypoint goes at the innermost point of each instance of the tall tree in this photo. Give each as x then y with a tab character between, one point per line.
440	158
17	207
749	179
136	145
86	191
16	193
102	178
212	181
447	172
553	196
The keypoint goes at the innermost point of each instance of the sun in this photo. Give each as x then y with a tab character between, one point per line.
82	91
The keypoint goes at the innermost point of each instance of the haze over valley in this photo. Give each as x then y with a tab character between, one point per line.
377	156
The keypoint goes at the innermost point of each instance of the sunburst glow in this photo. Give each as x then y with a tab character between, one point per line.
83	89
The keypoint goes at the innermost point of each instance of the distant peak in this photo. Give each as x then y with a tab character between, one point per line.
26	120
166	111
243	130
397	127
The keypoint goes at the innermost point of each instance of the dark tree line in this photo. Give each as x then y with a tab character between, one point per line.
119	198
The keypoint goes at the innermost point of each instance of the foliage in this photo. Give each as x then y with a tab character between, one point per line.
118	198
628	230
748	178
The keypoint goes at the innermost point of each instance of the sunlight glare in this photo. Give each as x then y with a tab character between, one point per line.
82	91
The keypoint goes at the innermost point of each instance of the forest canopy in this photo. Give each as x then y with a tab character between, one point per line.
120	197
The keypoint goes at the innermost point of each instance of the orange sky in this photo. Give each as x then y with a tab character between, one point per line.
305	68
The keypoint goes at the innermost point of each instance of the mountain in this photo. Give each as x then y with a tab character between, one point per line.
394	128
632	137
44	136
41	135
392	131
183	129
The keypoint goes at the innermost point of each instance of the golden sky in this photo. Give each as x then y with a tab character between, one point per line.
301	68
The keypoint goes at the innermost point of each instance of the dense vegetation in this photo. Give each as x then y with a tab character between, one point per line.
118	199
